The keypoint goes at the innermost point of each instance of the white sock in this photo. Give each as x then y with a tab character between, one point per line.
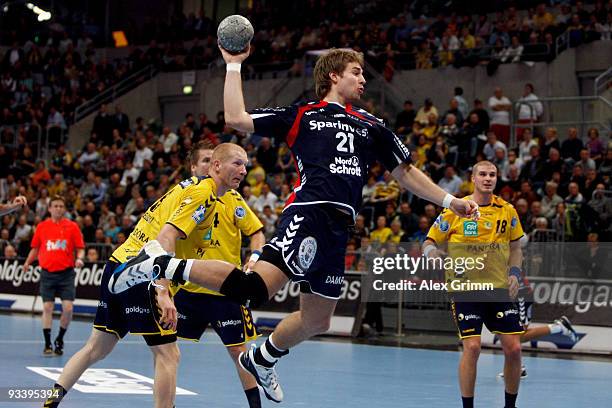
555	328
272	343
173	264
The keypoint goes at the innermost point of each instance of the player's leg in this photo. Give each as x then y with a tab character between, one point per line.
561	325
313	318
511	346
468	368
65	319
47	318
249	384
152	262
166	359
98	346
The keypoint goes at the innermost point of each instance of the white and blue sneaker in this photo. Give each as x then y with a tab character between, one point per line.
144	267
567	329
266	377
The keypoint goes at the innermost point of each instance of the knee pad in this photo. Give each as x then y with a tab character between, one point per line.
248	289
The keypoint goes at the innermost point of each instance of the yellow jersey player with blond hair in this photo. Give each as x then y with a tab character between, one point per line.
484	289
199	307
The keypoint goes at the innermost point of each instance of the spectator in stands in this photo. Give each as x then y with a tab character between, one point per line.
533	169
550	200
10	252
453	109
89	156
551	140
92	255
571	147
530	109
423	227
500	107
586	161
382	233
554	164
143	152
41	176
266	155
463	105
513	52
266	198
542	19
268	218
591	180
424	112
481	112
605	168
405	119
595	146
574	196
492	145
451	181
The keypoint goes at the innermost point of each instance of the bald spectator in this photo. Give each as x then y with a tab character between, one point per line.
493	144
10	252
89	156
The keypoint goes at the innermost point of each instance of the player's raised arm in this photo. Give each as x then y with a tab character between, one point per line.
236	115
413	179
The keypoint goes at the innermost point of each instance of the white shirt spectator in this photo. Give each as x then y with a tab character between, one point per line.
489	149
22	233
530	110
524	149
56	119
266	199
87	157
501	117
463	106
168	141
450	186
141	155
133	173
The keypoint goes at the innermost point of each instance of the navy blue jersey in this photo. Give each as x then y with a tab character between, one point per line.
333	147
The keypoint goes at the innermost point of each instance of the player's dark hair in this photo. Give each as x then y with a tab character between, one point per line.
193	153
57	197
334	61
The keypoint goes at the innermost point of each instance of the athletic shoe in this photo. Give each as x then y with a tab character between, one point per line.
144	267
523	373
266	376
48	350
59	347
567	328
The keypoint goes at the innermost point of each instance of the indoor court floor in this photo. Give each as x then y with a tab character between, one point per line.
315	374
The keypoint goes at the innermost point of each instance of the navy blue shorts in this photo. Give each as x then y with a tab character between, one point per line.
57	284
309	247
196	311
134	311
499	317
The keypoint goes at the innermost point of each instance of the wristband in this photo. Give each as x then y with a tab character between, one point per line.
428	249
447	200
515	271
254	256
233	66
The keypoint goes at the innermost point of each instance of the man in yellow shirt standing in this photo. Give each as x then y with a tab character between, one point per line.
199	307
490	243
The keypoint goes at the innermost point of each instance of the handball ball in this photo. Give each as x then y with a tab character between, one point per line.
235	33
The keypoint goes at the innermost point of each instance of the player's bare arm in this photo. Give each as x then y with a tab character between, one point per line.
430	250
413	179
167	238
258	240
236	115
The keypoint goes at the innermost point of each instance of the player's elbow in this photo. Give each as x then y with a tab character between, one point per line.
239	122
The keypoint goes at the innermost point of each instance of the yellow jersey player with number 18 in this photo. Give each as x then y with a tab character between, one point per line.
483	285
199	307
183	214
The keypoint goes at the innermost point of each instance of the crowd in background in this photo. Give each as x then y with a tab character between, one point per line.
561	190
45	78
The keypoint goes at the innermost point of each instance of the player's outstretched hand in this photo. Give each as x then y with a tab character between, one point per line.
513	286
169	318
20	201
237	58
464	208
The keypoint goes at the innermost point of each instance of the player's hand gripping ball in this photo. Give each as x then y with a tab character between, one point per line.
235	33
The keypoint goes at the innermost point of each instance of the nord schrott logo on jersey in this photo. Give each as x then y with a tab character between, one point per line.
346	165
